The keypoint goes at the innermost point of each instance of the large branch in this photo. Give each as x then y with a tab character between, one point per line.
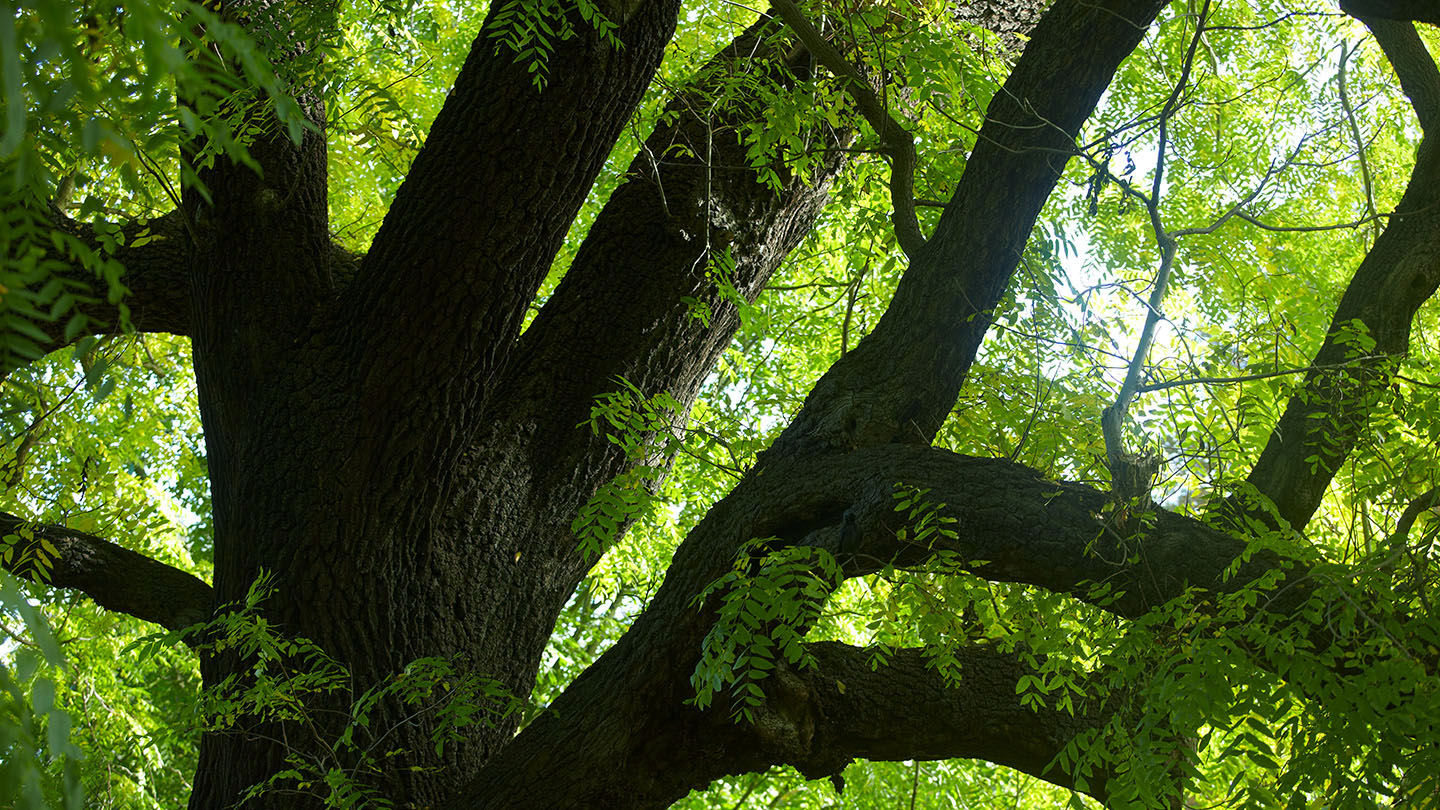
816	720
1399	274
906	709
1059	536
116	578
154	282
1413	66
1025	528
473	229
650	296
902	380
1412	10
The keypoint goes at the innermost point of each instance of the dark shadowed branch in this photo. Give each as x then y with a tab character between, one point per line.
1373	320
906	709
1059	536
659	317
1429	500
901	381
487	203
116	578
821	718
1413	10
1413	65
1052	535
156	283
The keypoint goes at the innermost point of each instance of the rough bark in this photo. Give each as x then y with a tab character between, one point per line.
626	310
438	521
359	404
154	279
908	710
472	231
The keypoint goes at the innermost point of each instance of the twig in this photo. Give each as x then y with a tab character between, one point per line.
754	783
850	296
1272	23
914	784
1345	53
1264	375
1339	226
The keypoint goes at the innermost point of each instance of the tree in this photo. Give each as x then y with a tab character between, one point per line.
419	437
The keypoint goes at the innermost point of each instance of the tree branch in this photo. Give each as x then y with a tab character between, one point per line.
1429	500
1413	65
1412	10
1062	537
901	381
898	141
1242	378
713	235
817	720
1369	186
630	706
1131	473
116	578
503	158
905	709
1399	274
155	281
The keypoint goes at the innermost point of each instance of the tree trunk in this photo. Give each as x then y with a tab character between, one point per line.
389	540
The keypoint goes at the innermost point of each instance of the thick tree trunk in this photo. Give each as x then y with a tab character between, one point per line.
326	466
406	516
